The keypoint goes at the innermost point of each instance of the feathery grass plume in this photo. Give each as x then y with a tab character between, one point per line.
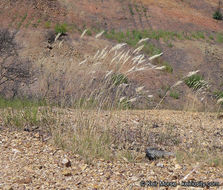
135	59
141	69
141	61
177	83
113	59
127	54
97	63
155	56
121	56
192	73
139	89
142	57
115	52
122	98
126	59
57	36
132	100
95	56
124	55
132	69
99	34
220	101
102	52
105	54
160	68
116	56
117	47
142	40
60	44
150	64
109	72
83	33
83	62
138	69
137	50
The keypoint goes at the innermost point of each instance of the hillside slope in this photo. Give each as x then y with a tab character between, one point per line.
184	31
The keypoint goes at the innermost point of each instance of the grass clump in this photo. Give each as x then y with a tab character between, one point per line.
18	103
47	24
61	28
168	67
195	81
20	113
218	15
219	95
22	20
174	94
124	104
198	35
219	38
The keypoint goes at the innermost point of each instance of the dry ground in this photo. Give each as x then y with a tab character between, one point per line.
28	163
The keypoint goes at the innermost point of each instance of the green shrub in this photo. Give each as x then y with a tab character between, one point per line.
61	28
89	33
47	24
198	35
217	15
195	81
168	67
174	94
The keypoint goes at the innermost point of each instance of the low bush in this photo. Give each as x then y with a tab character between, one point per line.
218	15
195	81
174	94
61	28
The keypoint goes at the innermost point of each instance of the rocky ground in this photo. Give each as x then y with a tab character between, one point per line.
26	162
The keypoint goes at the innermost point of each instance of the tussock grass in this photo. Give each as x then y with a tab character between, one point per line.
105	76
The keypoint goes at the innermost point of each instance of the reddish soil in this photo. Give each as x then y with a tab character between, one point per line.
140	14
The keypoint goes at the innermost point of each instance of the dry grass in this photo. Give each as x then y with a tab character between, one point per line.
89	81
100	81
114	135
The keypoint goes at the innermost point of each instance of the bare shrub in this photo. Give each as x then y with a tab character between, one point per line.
13	70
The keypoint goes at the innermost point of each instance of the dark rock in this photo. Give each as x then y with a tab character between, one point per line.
154	153
66	162
155	125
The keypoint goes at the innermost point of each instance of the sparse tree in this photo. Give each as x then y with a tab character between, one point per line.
13	71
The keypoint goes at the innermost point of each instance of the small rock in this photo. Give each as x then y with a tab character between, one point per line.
160	165
15	150
66	162
27	180
154	153
155	125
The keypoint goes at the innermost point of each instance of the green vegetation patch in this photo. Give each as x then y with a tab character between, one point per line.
61	28
18	103
174	94
219	38
195	81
